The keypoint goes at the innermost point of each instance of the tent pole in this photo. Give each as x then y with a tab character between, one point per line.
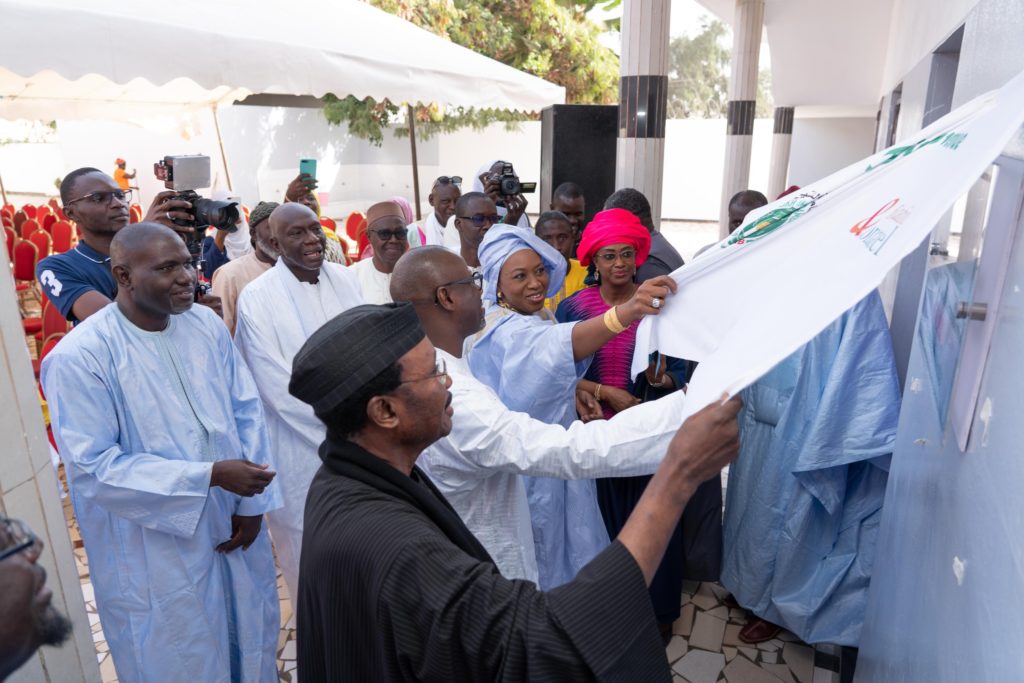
220	141
415	164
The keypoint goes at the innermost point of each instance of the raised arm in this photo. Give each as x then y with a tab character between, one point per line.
590	335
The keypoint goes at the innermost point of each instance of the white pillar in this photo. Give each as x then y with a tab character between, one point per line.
782	138
643	98
28	491
748	21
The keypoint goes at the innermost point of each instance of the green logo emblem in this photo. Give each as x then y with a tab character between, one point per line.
773	220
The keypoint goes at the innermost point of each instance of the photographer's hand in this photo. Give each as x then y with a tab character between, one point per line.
492	187
516	208
212	301
299	187
241	477
164	208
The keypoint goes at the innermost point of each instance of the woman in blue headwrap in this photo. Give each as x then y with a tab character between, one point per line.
533	364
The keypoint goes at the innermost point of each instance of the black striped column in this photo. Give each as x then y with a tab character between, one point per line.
643	97
782	138
748	21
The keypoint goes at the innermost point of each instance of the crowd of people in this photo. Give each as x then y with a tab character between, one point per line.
460	478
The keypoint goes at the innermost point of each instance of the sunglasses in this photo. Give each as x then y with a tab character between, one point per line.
385	235
479	219
455	180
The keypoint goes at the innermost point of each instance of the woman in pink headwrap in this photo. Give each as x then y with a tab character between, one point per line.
614	245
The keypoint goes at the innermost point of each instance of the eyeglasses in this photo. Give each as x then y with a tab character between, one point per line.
440	373
103	198
18	537
611	256
478	219
384	235
455	180
476	279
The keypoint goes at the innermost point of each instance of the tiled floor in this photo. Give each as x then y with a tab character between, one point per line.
705	647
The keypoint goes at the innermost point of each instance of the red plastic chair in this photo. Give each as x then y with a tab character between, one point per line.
54	322
26	256
29	210
11	238
42	240
353	223
29	227
63	237
19	218
48	345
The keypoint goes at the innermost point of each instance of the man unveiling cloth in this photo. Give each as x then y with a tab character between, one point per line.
394	586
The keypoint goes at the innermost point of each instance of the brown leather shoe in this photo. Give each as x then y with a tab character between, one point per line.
758	631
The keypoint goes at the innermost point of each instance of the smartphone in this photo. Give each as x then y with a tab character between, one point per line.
308	166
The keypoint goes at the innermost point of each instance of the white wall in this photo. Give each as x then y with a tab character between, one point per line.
822	146
263	146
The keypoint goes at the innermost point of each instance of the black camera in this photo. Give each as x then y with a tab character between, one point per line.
509	183
185	174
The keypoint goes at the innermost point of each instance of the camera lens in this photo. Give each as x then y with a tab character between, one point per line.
221	215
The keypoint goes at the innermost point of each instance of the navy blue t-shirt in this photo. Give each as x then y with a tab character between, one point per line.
65	277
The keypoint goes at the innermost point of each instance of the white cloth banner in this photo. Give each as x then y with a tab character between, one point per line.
800	262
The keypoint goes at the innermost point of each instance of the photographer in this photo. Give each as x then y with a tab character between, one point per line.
511	207
79	281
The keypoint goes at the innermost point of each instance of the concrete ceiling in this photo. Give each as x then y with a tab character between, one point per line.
828	55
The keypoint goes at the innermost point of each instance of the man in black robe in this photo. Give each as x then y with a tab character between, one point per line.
392	585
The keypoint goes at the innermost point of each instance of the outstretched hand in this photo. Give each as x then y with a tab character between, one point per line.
648	299
241	477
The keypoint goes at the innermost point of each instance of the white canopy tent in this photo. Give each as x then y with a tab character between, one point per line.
65	56
64	59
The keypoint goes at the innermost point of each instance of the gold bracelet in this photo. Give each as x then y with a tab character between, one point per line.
611	321
597	393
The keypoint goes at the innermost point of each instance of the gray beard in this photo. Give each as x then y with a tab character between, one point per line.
267	249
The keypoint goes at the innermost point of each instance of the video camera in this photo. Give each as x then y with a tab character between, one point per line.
509	183
185	174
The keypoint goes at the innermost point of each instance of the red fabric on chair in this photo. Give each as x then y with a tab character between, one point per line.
328	223
29	210
19	218
53	322
48	345
48	221
353	223
29	227
11	238
136	213
26	256
63	234
41	239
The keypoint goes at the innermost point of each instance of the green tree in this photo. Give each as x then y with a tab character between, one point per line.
698	85
551	39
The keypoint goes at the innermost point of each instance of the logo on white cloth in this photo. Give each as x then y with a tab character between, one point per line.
874	231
